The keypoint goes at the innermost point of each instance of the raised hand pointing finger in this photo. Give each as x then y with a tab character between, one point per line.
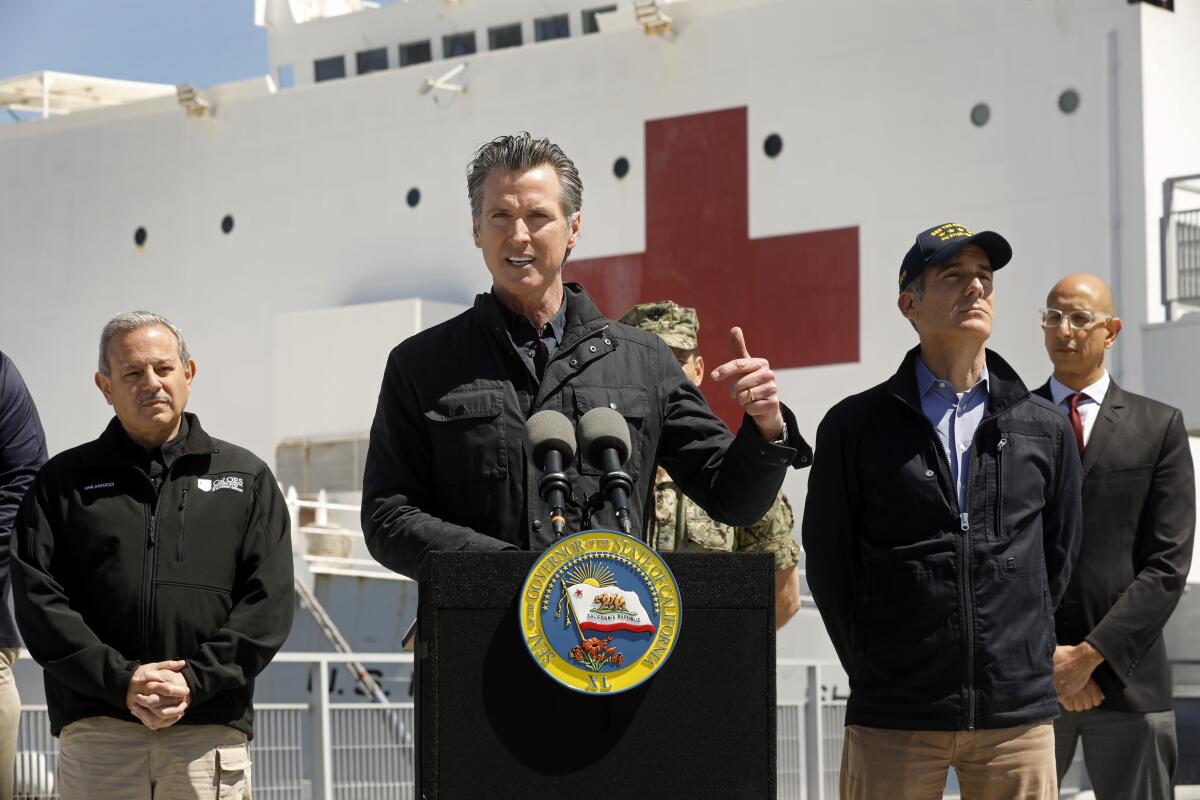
753	386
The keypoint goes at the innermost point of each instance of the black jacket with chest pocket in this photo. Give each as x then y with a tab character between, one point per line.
108	573
943	617
448	467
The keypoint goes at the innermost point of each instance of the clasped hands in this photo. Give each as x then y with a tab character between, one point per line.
1073	667
754	389
158	694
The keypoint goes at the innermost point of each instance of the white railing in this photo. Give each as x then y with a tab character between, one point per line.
366	751
322	751
331	542
356	566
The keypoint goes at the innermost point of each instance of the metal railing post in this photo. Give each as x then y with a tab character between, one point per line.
292	497
814	739
322	747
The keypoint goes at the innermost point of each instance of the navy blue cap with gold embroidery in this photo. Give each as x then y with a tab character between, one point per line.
943	242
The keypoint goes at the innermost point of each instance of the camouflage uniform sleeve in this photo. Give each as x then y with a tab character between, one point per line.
772	534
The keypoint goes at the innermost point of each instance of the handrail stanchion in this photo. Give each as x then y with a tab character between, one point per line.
292	498
814	740
322	734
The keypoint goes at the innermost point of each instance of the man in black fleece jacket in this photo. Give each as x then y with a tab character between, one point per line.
152	576
22	453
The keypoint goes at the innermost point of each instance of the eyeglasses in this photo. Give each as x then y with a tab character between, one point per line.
1078	319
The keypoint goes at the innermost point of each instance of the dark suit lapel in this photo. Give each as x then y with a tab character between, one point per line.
1106	425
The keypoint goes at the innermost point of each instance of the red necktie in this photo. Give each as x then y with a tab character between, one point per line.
1076	420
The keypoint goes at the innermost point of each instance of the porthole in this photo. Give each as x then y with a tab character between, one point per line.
139	237
773	145
413	197
227	224
980	115
1068	101
621	167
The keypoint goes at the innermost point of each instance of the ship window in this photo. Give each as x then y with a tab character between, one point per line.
621	167
1068	101
372	60
556	27
458	44
773	145
415	53
414	197
287	76
504	36
139	237
980	114
327	69
227	224
589	18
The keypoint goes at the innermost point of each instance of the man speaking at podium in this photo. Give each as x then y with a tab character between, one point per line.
448	469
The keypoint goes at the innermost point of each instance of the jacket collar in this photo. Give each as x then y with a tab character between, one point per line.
582	316
522	330
1111	410
114	451
1005	387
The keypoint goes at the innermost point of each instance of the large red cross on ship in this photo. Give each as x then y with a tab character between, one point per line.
795	296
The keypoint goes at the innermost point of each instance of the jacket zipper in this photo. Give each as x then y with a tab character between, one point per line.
182	525
147	576
969	564
964	557
999	525
150	567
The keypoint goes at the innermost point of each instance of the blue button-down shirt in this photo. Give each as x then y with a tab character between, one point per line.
955	418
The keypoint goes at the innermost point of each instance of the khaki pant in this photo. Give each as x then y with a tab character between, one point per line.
1003	764
10	717
101	758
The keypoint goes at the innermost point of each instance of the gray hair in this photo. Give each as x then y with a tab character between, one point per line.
917	287
132	321
520	153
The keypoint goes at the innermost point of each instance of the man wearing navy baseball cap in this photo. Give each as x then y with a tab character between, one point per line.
941	525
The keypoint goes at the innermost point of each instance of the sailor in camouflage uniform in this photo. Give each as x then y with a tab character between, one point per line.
680	524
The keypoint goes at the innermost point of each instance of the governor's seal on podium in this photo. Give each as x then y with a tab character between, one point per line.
600	612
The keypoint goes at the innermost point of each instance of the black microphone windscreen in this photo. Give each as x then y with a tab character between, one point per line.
602	428
550	430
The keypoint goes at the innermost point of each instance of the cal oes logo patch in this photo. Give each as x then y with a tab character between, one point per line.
600	612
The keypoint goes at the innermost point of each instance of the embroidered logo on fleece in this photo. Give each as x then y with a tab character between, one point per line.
211	484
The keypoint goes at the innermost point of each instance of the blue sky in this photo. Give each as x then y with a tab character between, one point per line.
202	42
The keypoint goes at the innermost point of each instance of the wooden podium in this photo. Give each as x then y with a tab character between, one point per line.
492	724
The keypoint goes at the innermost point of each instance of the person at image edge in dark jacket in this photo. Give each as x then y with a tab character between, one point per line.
22	453
152	576
940	528
447	467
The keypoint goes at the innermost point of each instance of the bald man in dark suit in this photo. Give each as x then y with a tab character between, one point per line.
1139	511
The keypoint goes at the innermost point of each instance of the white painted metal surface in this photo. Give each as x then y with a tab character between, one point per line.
49	93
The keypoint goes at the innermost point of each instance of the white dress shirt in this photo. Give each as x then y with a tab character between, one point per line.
1089	406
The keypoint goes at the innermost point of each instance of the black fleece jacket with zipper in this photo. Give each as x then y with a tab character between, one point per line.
123	557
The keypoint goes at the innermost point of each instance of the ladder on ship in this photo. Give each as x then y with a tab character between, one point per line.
329	629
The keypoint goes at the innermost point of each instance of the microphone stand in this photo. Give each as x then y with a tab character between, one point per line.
554	488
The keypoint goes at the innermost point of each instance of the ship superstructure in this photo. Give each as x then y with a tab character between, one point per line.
767	161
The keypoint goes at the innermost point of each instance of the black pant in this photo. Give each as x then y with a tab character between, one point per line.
1127	755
